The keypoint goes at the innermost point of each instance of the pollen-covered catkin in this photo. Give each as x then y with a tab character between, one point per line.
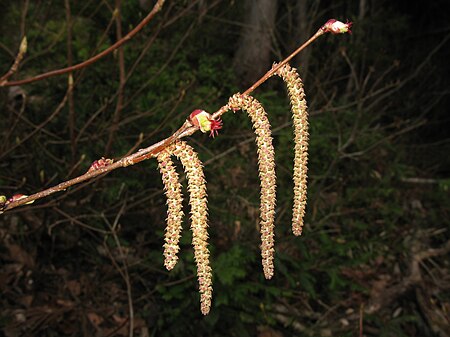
199	218
301	137
172	187
266	162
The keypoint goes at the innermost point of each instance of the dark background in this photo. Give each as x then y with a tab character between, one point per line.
373	257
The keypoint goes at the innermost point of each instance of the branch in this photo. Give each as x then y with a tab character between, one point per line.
185	130
93	59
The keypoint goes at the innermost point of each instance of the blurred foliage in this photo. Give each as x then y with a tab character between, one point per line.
65	261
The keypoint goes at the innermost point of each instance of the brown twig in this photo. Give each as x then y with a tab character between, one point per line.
97	57
122	79
132	159
273	70
282	63
185	130
15	66
23	17
22	48
70	84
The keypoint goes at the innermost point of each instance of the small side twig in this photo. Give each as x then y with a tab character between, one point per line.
17	60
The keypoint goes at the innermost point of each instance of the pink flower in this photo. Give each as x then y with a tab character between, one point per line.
205	122
337	27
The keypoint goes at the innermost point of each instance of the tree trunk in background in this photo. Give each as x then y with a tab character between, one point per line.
253	55
305	12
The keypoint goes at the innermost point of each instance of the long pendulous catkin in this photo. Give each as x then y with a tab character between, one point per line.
172	187
199	218
266	162
301	137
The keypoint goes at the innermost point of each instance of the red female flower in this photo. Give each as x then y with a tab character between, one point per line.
205	122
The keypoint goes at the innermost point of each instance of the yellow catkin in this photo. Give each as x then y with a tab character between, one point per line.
301	137
172	187
199	218
266	162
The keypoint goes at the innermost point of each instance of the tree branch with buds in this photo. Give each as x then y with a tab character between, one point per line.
187	129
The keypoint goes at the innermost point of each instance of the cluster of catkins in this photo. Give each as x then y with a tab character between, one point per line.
266	166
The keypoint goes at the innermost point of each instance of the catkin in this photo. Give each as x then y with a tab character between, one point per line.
199	218
300	123
172	187
266	162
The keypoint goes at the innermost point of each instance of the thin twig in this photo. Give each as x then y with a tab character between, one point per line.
70	84
122	79
23	17
97	57
273	70
15	66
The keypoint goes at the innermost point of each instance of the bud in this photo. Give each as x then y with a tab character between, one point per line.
98	164
337	27
23	46
205	122
2	201
17	197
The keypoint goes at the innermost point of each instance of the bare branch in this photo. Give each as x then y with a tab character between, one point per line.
94	59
